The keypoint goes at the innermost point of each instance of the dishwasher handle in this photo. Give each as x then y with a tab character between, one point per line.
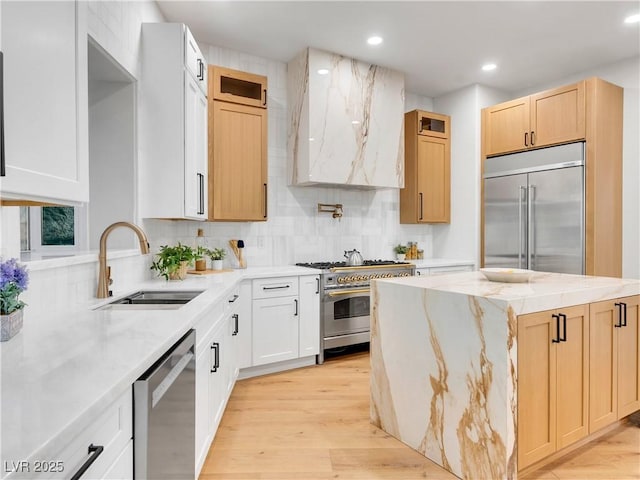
171	377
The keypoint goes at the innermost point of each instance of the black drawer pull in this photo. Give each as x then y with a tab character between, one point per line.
564	327
621	306
276	288
235	317
94	451
557	319
295	300
533	138
526	144
235	297
215	346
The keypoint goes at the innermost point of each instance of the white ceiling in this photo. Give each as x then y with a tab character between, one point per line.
440	46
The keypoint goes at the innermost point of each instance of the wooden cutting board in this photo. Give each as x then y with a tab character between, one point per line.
208	272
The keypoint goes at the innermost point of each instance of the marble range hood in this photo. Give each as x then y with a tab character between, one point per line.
346	122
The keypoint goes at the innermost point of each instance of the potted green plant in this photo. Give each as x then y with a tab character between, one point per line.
217	255
401	251
172	262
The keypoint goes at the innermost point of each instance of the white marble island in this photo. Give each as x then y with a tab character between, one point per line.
445	373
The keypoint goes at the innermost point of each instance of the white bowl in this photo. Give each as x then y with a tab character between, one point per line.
508	275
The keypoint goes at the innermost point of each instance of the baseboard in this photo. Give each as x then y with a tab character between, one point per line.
276	367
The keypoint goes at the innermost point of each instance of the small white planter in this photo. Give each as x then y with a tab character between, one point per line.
216	264
400	256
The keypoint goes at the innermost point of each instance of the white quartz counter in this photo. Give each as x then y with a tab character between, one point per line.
59	372
544	291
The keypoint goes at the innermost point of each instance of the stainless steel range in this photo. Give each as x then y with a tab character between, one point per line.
344	301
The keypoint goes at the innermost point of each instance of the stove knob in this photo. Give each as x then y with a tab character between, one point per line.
350	278
362	278
340	279
366	277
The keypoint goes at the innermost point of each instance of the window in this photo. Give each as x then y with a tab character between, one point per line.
54	229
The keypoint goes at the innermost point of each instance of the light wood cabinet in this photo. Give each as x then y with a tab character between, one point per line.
547	118
239	87
237	151
425	197
553	381
615	361
590	110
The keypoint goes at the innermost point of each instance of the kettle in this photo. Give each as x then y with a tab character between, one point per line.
353	257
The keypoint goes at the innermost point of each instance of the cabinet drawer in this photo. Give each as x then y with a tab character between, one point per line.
275	287
207	321
112	430
452	269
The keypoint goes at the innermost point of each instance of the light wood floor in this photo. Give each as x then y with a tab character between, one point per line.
313	424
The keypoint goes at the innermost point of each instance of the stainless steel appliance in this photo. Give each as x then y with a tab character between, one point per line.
534	210
164	415
344	299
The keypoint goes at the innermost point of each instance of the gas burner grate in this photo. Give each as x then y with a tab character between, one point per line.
366	263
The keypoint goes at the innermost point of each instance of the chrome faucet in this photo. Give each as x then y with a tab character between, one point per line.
104	275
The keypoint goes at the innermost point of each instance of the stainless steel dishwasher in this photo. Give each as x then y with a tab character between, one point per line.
164	415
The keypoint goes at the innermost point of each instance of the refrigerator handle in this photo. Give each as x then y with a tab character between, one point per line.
521	194
531	246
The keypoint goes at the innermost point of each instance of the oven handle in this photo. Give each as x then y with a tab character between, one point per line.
347	292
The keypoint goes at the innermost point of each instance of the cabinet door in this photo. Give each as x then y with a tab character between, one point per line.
195	160
244	325
572	393
218	382
203	405
558	115
309	313
239	87
603	365
433	124
194	61
41	103
505	125
536	387
629	358
275	329
434	180
238	153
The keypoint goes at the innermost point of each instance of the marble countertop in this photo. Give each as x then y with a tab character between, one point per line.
544	291
60	372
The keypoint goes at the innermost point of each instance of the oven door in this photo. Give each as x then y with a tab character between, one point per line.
345	312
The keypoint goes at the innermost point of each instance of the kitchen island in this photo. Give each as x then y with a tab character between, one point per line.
489	379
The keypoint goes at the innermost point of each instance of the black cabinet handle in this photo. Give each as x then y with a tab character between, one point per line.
94	451
279	287
200	70
557	319
564	327
201	193
265	200
622	314
235	317
317	285
235	297
526	144
421	210
265	97
215	346
533	138
295	300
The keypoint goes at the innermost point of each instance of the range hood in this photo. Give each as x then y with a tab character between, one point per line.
346	122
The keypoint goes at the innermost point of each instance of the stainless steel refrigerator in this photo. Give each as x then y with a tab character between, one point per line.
534	210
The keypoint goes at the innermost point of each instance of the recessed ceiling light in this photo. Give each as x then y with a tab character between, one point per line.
375	40
323	71
487	67
632	18
355	122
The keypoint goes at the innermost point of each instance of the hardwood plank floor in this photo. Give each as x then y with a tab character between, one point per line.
313	424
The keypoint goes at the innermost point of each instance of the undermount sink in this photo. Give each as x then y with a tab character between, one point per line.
152	300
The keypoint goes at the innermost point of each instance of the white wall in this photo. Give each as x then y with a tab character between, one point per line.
461	238
295	232
627	75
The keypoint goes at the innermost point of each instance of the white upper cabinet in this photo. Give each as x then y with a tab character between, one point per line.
173	124
45	102
346	122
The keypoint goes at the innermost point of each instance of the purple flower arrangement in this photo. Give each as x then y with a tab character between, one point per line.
14	280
